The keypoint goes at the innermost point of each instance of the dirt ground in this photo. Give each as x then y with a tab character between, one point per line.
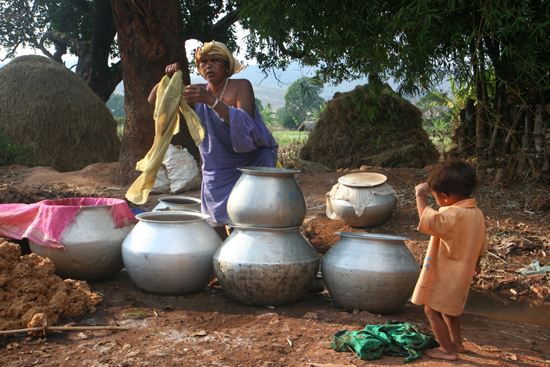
209	329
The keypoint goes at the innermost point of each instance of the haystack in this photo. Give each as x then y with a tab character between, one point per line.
47	106
364	127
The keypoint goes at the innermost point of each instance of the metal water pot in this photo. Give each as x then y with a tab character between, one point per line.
170	253
92	246
266	266
362	199
175	203
372	272
268	198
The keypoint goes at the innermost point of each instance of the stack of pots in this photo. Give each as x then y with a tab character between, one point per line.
266	260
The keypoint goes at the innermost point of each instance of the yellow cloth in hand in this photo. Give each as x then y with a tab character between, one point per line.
168	103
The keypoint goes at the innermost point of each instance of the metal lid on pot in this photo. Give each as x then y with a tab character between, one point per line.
363	179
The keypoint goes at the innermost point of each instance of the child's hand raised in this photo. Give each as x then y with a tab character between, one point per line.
422	190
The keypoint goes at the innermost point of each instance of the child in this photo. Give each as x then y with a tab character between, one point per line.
457	242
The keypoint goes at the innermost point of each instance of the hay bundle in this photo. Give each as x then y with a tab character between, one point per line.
46	106
364	127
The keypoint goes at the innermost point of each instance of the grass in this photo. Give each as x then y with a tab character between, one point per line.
288	137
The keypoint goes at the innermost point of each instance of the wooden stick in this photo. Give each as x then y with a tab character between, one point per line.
68	328
515	336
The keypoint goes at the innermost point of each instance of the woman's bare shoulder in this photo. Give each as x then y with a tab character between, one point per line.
242	83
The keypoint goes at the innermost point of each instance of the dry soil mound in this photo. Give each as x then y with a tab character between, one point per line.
48	107
31	294
368	127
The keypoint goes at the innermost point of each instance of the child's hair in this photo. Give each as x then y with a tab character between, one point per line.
453	177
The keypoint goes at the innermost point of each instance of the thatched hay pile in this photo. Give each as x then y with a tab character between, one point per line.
362	127
47	106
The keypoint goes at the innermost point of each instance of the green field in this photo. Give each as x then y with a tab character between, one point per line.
288	137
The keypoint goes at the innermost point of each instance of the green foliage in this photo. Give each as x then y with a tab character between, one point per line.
302	99
268	115
416	42
120	122
115	104
285	137
13	153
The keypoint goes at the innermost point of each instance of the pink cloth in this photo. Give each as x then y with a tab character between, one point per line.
44	222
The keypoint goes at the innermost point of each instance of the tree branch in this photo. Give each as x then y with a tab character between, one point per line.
68	41
213	31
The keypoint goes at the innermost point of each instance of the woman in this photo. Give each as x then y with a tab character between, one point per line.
236	135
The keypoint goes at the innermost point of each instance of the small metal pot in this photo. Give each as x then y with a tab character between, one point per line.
362	199
175	203
377	212
267	198
170	253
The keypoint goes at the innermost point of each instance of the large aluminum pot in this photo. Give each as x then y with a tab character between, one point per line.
268	198
170	253
266	266
175	203
92	246
372	272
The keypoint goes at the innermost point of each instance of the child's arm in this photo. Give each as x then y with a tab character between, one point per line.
422	192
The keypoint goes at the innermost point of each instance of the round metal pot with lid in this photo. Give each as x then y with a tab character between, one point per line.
175	203
92	246
266	266
268	198
372	272
362	199
170	253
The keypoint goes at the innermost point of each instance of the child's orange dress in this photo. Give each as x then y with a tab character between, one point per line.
458	239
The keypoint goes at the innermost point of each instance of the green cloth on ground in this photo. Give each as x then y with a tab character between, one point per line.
392	338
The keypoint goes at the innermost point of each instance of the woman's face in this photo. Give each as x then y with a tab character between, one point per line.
213	68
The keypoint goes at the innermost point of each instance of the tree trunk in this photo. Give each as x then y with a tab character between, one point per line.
148	39
99	76
93	55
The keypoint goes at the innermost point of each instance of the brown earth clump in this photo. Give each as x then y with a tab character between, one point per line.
31	295
52	111
368	127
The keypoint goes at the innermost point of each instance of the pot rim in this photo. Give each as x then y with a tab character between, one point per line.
372	236
268	171
280	229
169	217
194	200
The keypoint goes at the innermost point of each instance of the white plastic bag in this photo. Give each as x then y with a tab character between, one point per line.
162	182
182	170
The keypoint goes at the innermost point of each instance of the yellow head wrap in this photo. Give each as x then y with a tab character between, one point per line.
220	50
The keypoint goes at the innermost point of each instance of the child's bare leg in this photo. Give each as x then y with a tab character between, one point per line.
442	335
453	324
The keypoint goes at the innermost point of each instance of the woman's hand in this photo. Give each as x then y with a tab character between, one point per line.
172	68
194	93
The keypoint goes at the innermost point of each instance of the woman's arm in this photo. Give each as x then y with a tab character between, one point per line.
169	71
245	97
